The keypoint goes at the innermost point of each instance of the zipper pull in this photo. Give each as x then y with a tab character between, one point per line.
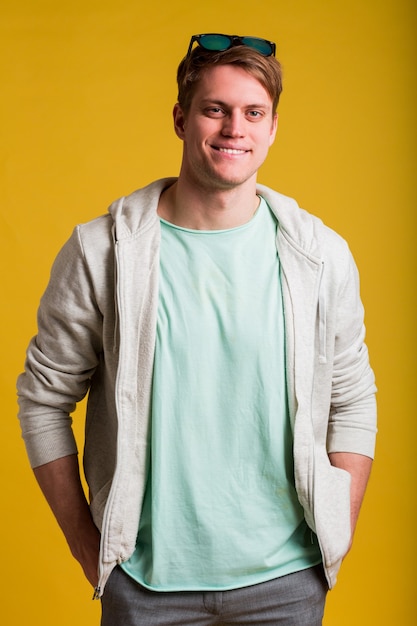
96	594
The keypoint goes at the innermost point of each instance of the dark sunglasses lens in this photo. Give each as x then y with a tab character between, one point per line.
262	46
215	42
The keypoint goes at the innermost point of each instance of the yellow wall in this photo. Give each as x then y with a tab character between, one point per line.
87	88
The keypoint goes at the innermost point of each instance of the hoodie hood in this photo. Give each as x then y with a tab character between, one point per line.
137	212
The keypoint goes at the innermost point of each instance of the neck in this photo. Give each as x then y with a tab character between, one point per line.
190	207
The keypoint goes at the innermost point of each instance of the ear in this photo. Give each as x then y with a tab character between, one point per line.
179	121
274	128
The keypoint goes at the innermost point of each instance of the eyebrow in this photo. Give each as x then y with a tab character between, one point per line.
225	105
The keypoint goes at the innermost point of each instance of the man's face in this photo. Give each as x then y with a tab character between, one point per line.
228	129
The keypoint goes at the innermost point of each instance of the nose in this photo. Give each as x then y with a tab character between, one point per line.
233	125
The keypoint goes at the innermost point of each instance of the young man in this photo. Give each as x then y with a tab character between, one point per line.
219	332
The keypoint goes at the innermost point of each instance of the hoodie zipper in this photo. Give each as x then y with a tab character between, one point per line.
113	488
322	319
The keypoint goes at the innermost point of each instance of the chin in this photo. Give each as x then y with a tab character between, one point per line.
227	182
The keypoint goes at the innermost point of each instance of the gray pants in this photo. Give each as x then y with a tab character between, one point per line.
293	600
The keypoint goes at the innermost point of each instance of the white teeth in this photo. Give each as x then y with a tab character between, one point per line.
231	151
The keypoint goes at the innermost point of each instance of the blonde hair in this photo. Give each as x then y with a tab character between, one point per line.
267	70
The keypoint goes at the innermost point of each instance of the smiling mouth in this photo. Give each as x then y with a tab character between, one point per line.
231	150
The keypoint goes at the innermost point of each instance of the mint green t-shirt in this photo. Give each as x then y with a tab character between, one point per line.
220	508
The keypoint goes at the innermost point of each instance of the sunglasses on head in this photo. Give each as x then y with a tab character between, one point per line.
218	43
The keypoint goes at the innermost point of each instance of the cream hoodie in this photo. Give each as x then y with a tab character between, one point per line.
96	334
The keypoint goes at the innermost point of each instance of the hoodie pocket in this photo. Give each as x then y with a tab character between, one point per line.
98	503
332	513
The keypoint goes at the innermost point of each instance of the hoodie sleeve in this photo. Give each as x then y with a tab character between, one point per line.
352	423
61	358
